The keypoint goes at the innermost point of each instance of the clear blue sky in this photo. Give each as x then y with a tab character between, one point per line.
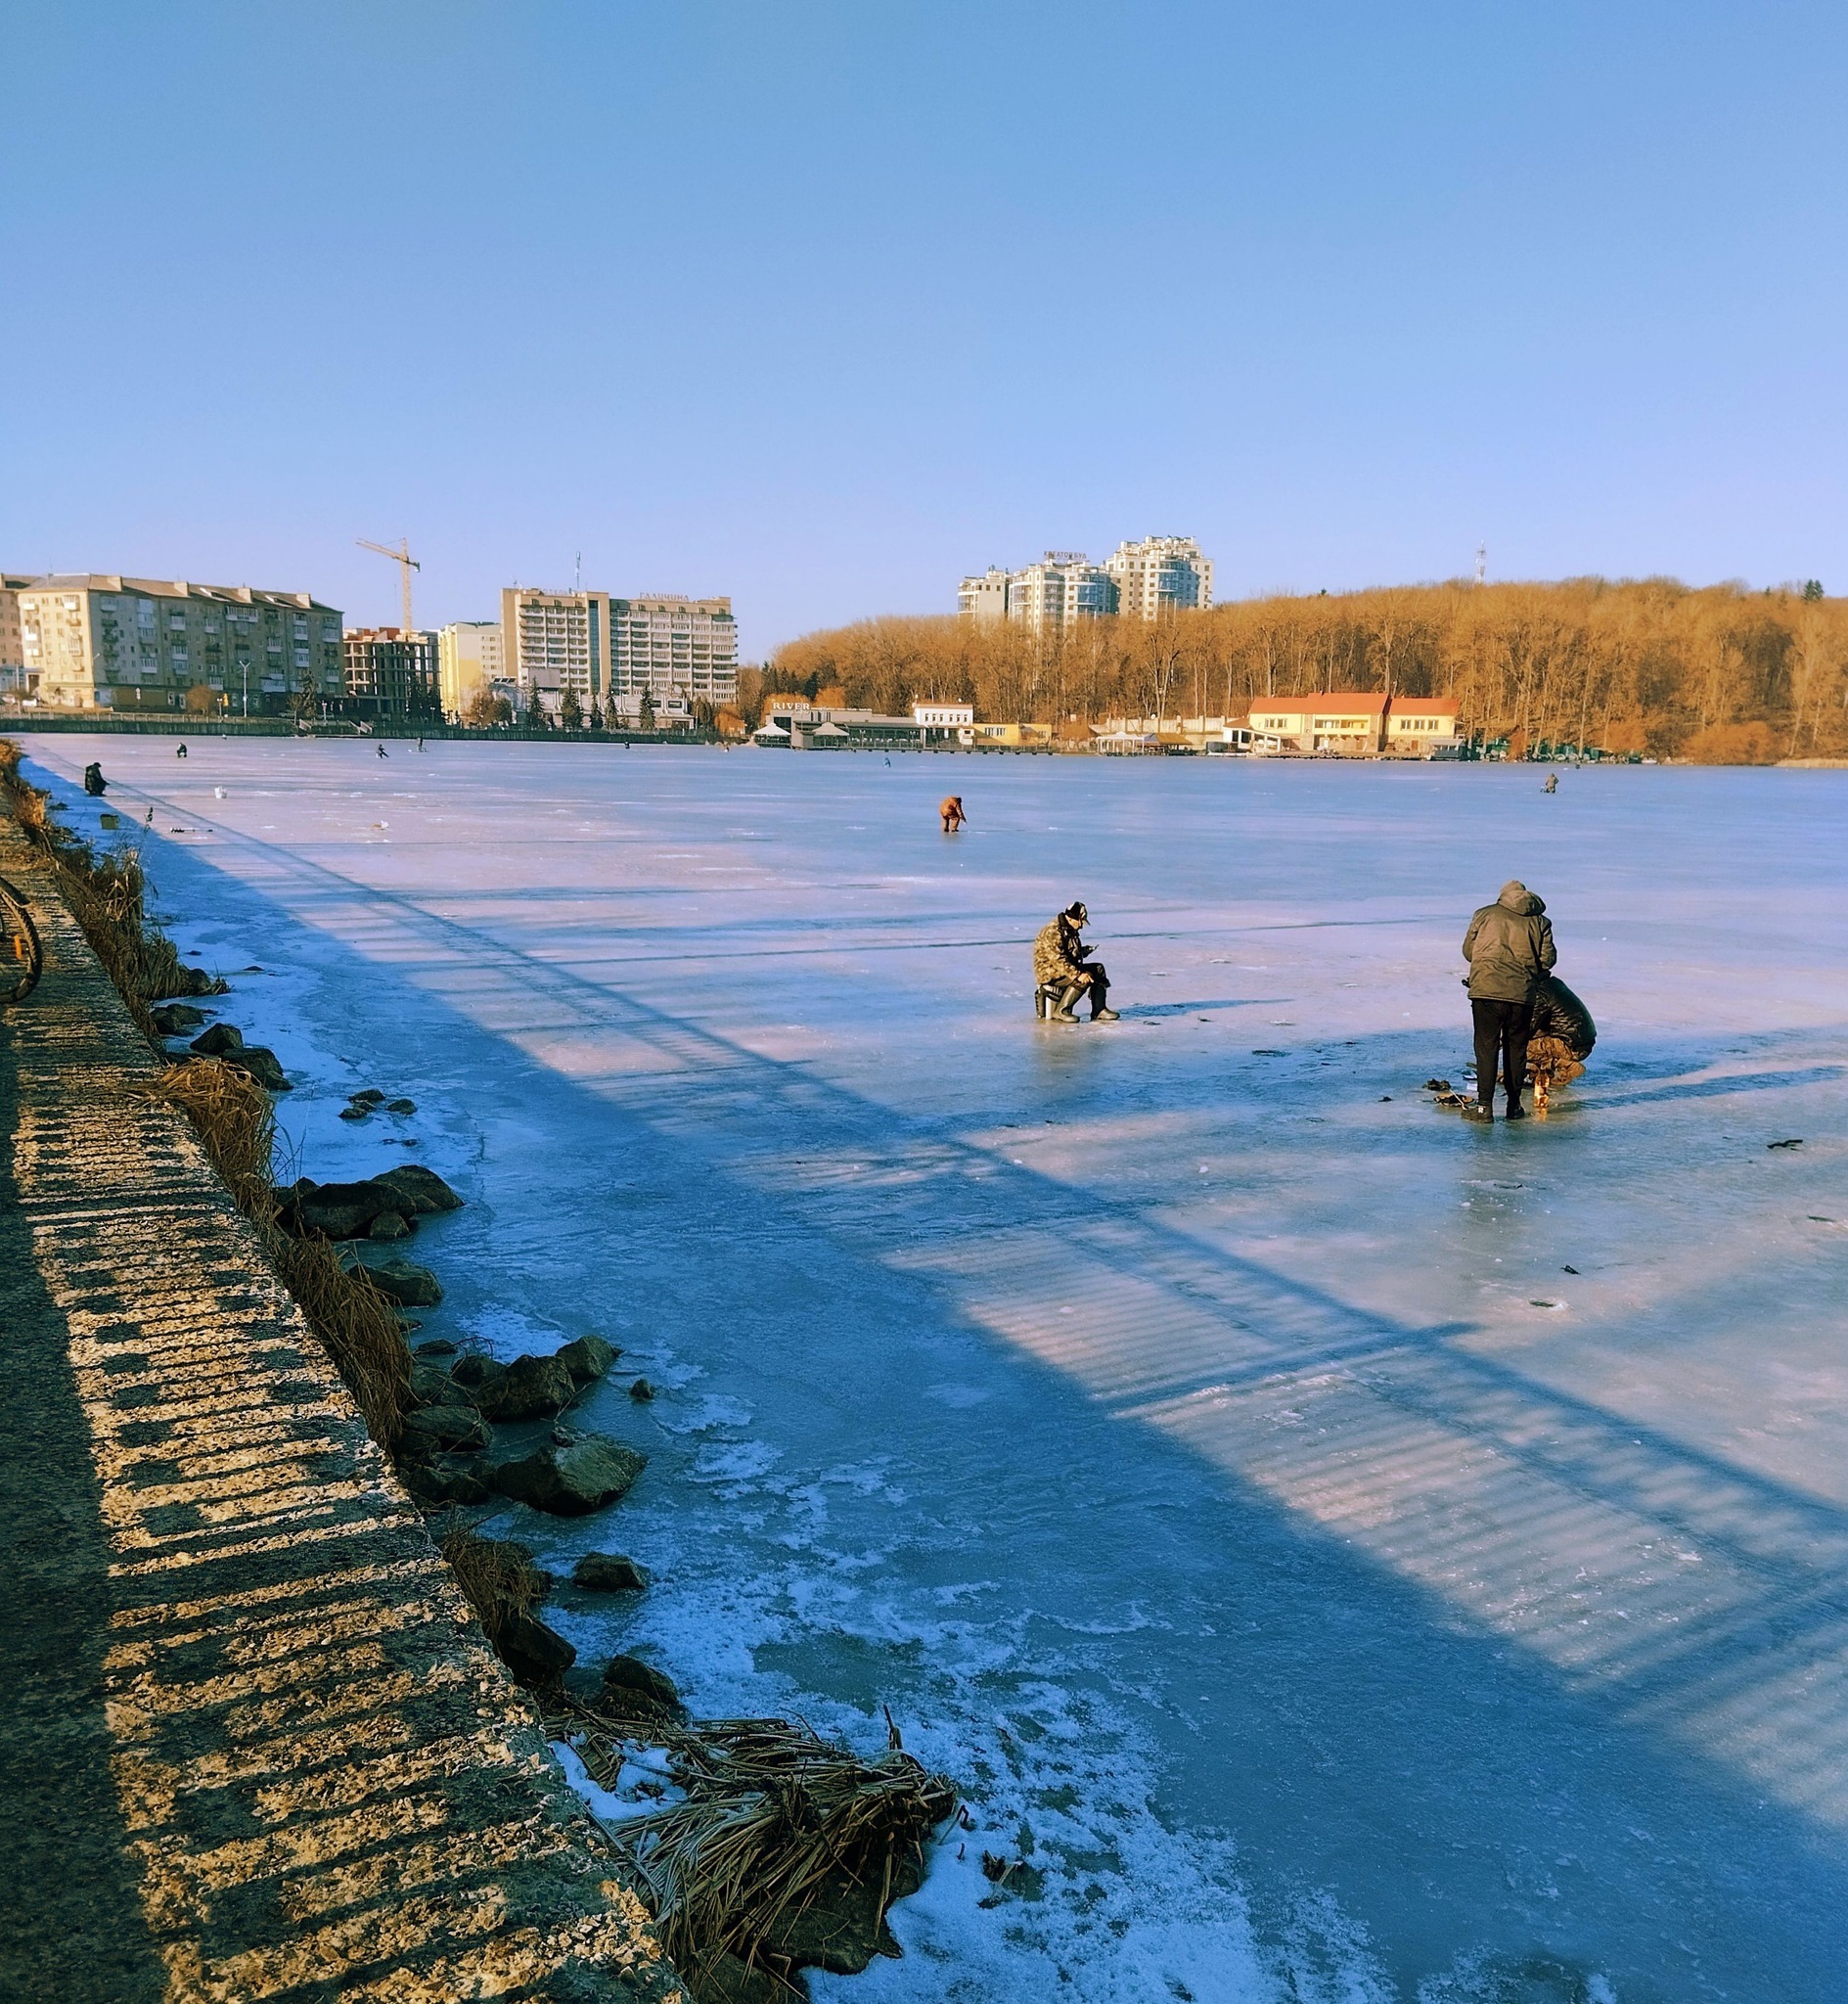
823	302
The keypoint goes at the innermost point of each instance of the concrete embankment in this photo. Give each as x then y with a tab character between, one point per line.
253	1745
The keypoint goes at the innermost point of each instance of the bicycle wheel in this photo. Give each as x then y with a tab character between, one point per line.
22	958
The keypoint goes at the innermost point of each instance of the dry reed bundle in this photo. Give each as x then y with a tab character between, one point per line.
233	1115
234	1118
358	1325
498	1578
775	1820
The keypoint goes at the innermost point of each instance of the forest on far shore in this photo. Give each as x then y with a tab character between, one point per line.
1720	674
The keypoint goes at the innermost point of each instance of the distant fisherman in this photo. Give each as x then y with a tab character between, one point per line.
1062	961
180	752
1511	951
94	783
951	811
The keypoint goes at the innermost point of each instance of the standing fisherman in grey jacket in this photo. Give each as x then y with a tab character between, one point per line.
1510	950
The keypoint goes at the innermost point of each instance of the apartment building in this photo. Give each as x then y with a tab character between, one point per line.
984	598
1161	575
1063	587
681	651
552	641
1142	581
13	677
470	656
390	675
137	644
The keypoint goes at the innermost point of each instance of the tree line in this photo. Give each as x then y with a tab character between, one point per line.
1721	673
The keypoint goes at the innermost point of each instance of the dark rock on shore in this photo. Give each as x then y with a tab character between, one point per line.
336	1210
220	1041
401	1282
432	1387
175	1019
444	1429
389	1225
726	1979
419	1189
437	1347
367	1096
348	1210
534	1653
628	1678
476	1374
588	1357
400	1106
263	1064
840	1927
573	1481
447	1478
530	1388
192	980
609	1572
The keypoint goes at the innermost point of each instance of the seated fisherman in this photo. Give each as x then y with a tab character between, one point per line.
1062	961
1561	1039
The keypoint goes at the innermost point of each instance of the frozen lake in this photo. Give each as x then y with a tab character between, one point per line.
1355	1556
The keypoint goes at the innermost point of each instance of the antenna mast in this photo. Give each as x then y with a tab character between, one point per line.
1482	563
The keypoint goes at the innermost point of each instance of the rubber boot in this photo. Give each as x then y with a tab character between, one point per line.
1068	1010
1101	1014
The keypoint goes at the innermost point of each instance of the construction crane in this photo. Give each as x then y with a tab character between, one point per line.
401	557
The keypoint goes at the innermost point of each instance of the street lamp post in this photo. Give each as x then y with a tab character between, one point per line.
246	690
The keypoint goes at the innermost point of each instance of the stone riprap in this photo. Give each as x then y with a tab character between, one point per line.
254	1745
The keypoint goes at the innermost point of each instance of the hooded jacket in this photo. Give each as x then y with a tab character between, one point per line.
1559	1013
1508	947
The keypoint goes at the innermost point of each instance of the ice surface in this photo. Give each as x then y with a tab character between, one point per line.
1206	1456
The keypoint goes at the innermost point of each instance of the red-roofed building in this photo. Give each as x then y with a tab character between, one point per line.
1354	724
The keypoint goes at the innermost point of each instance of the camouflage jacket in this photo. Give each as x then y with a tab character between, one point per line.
1058	953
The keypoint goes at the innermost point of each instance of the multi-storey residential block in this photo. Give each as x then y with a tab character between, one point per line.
1161	574
552	641
680	651
1063	587
97	642
468	662
1142	581
391	674
13	677
984	598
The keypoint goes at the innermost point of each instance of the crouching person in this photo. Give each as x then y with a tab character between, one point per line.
1063	964
1561	1039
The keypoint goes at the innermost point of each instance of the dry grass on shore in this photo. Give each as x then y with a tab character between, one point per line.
107	895
497	1577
